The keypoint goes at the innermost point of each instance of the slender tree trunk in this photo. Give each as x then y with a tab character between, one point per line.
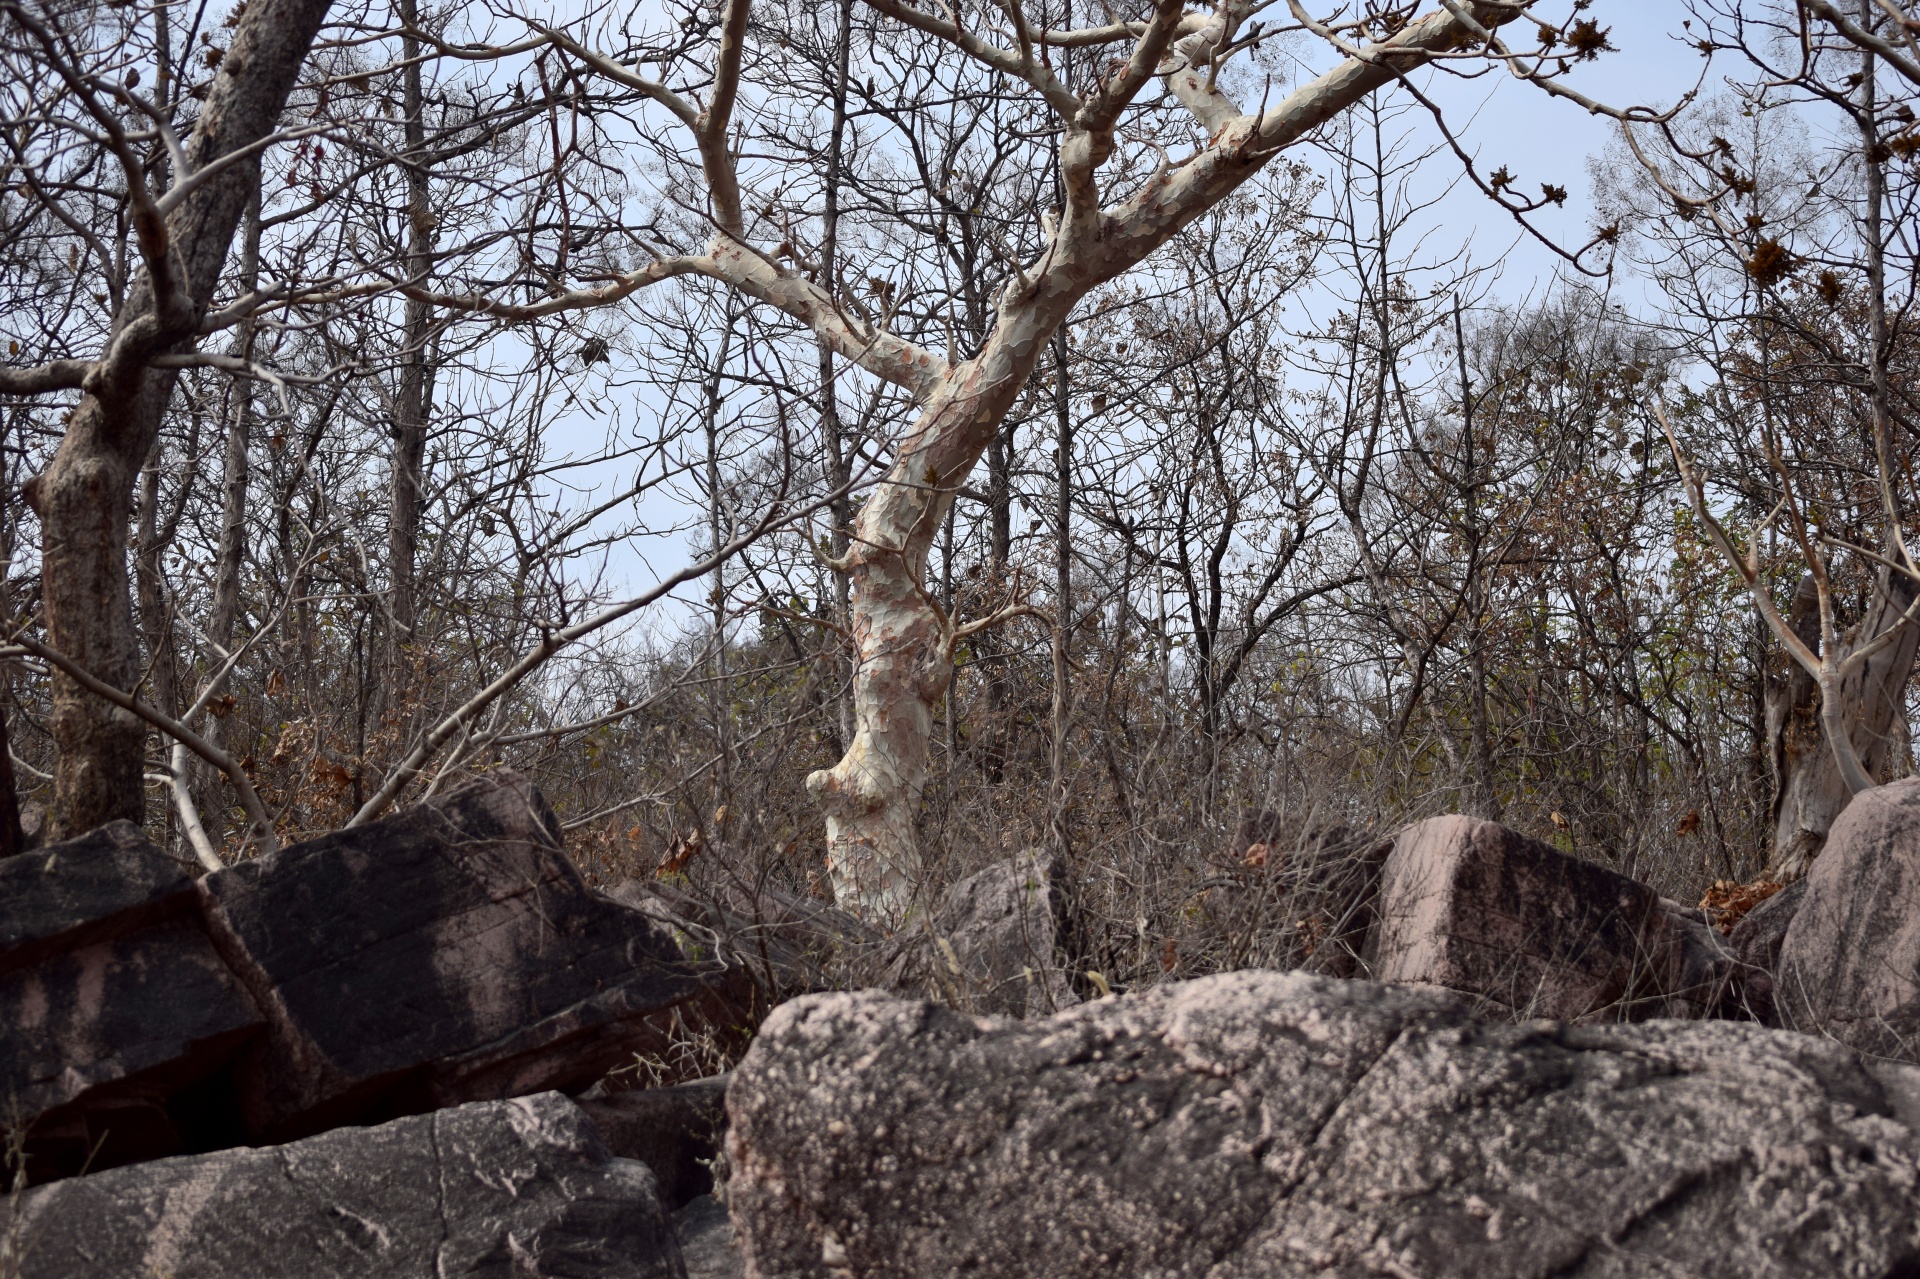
86	492
12	839
720	693
410	404
831	429
1486	800
156	621
223	614
1062	593
999	572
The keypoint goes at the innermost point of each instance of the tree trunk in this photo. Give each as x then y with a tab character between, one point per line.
86	493
1486	798
902	639
993	655
832	432
410	405
1062	596
1809	791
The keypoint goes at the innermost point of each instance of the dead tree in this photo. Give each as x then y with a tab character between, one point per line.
1107	224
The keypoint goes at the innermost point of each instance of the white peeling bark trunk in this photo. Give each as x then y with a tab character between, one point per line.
903	642
1812	791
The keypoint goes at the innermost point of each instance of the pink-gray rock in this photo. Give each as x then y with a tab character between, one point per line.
1288	1125
1004	938
1850	961
1476	908
451	953
113	1001
492	1190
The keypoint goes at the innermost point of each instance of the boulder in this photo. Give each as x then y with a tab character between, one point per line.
1531	932
522	1187
1004	938
674	1131
114	1002
1849	963
102	885
1755	942
1281	1125
451	953
706	1240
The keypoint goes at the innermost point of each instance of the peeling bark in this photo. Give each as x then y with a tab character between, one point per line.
903	641
1810	791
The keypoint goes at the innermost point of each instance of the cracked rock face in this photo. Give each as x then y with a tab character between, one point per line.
1265	1124
494	1190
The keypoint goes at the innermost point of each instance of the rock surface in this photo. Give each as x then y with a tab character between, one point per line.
448	954
97	1041
484	1191
706	1241
113	1001
674	1131
1850	960
1478	909
1003	939
106	883
1260	1124
1756	941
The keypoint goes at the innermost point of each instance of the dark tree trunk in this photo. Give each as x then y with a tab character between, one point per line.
12	840
410	416
86	494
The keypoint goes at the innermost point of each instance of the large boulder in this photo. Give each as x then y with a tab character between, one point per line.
114	1003
1849	963
451	953
102	885
1264	1124
1531	932
493	1189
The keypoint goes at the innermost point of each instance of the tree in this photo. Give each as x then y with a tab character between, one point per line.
1121	199
1787	260
183	202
